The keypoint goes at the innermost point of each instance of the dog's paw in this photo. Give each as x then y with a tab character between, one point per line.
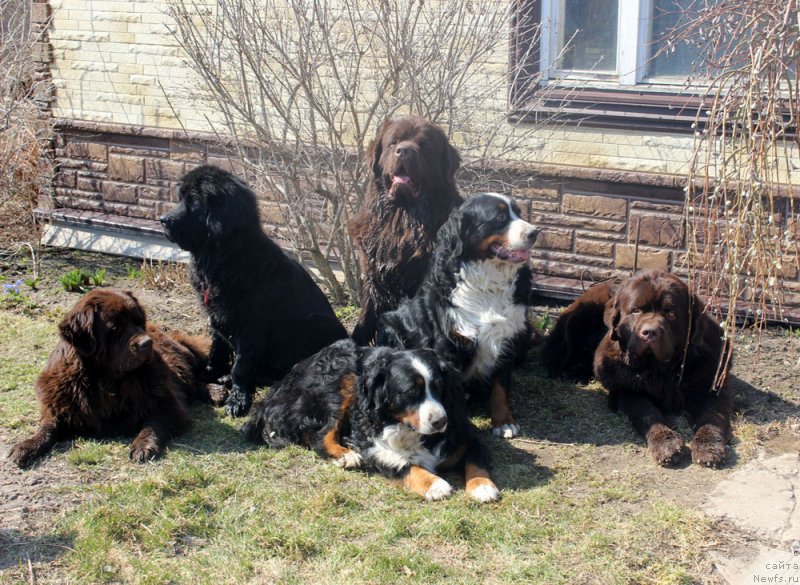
238	403
22	454
485	492
708	447
665	445
217	394
438	490
506	431
349	460
144	450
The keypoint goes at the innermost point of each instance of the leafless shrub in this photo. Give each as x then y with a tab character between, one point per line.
22	126
162	276
301	88
742	235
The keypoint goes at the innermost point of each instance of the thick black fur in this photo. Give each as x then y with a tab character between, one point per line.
307	404
423	321
264	309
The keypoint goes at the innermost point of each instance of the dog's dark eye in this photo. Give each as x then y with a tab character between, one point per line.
636	311
502	216
671	315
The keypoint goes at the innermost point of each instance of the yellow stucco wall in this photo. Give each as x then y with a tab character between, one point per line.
116	62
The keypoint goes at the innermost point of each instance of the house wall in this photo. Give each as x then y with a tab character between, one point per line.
129	128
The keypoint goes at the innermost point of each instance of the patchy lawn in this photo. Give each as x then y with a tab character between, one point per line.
582	502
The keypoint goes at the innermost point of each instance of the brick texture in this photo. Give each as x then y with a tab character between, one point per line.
583	236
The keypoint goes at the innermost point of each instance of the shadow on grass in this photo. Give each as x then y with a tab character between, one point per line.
760	406
17	548
515	468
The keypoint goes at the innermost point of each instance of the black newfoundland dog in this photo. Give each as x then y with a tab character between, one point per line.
471	308
659	354
264	309
401	412
411	192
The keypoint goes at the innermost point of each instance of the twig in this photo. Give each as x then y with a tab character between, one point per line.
31	575
544	442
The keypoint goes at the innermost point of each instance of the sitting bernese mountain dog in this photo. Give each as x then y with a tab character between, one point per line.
471	308
401	412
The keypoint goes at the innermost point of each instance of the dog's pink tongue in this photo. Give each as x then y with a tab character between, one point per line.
519	255
401	179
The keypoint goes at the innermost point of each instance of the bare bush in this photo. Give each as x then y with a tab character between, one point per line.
740	213
23	128
301	88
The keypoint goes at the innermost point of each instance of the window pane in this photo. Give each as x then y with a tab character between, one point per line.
677	60
589	31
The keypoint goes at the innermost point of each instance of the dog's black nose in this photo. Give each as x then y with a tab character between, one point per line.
144	344
439	424
403	151
164	220
532	235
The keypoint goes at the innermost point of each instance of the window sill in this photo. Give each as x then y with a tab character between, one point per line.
628	109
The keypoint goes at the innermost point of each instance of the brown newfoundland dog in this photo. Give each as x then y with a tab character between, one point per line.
112	373
411	193
660	354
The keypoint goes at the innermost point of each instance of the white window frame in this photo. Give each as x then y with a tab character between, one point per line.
633	43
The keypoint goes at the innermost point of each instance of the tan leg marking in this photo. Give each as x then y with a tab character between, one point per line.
330	441
426	484
503	424
479	484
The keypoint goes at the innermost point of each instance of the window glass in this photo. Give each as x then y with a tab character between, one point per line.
675	60
589	32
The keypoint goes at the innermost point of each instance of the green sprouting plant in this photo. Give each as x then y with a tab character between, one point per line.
133	272
33	283
543	323
98	277
80	280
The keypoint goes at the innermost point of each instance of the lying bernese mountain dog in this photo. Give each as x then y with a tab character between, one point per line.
401	412
471	308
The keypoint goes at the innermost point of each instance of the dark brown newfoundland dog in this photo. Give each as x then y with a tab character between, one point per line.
411	193
660	355
112	373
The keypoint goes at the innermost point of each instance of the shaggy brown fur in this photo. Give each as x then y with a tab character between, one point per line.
661	357
112	373
569	349
651	343
412	191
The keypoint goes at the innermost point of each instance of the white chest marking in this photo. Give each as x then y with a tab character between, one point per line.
484	311
399	446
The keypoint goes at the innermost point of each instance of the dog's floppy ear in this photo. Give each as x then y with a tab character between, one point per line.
699	320
375	151
217	214
452	161
611	316
230	206
374	377
450	237
77	329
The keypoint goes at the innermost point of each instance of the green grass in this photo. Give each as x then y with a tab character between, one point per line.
218	510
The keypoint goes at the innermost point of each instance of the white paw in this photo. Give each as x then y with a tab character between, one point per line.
349	460
486	492
507	431
439	490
